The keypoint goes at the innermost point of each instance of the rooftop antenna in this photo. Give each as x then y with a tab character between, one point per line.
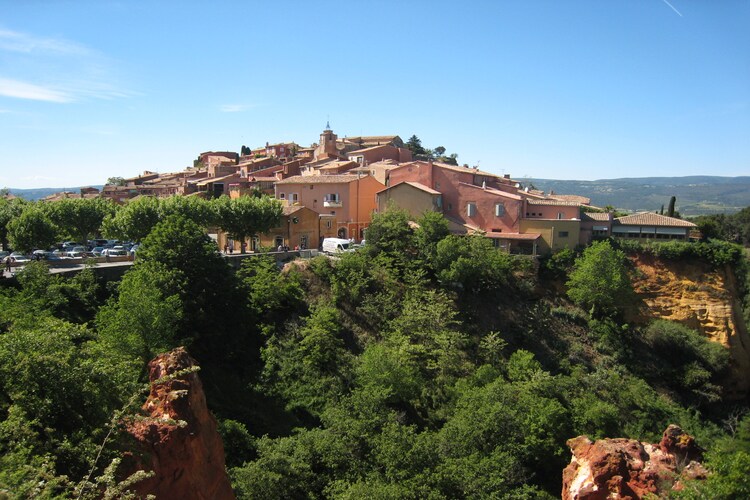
328	122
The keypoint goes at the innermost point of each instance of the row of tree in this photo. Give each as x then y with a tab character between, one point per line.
414	144
25	226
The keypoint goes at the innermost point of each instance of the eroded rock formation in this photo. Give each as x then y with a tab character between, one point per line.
629	469
703	299
178	437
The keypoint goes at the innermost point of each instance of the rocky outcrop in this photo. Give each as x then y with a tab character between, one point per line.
629	469
706	300
178	436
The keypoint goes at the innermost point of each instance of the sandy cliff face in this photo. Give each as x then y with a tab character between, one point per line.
696	296
178	436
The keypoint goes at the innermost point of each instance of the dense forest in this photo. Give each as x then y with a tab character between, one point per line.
423	365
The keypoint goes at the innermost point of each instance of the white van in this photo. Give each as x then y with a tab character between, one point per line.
336	245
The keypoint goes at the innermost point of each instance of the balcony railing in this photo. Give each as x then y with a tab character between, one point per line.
332	204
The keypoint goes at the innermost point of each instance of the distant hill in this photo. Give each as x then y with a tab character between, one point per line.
696	195
39	193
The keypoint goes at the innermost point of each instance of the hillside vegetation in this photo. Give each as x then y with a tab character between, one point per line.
424	365
696	195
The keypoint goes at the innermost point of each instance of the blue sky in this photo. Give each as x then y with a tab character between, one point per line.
547	89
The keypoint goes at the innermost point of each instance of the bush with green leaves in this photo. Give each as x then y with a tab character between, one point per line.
600	280
471	264
690	363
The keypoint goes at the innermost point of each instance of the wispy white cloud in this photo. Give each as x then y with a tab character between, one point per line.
13	41
55	70
235	108
24	90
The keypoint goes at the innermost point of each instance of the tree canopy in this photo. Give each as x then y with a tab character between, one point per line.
247	215
600	280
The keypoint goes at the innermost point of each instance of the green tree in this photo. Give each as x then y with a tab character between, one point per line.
309	366
390	234
433	227
670	210
56	394
414	144
134	221
115	181
9	210
247	215
600	280
471	264
272	295
694	367
145	318
79	218
193	208
32	229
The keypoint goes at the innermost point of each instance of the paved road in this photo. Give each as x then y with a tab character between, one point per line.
67	268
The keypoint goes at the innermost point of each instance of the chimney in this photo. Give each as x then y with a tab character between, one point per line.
506	176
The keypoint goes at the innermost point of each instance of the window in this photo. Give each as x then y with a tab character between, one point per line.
562	234
282	196
560	215
499	210
329	224
332	197
293	197
471	209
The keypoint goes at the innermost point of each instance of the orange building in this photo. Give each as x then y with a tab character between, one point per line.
350	198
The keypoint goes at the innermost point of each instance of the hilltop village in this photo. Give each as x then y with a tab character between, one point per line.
333	188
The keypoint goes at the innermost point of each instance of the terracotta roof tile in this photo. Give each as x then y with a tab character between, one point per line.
320	179
492	191
652	219
550	202
595	216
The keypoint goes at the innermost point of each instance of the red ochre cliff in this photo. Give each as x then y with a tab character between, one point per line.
691	293
178	437
628	469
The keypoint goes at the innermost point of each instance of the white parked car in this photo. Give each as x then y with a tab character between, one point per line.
19	258
116	251
78	252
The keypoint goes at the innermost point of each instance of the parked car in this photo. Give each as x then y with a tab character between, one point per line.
19	258
97	251
116	251
78	252
44	255
97	243
3	255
